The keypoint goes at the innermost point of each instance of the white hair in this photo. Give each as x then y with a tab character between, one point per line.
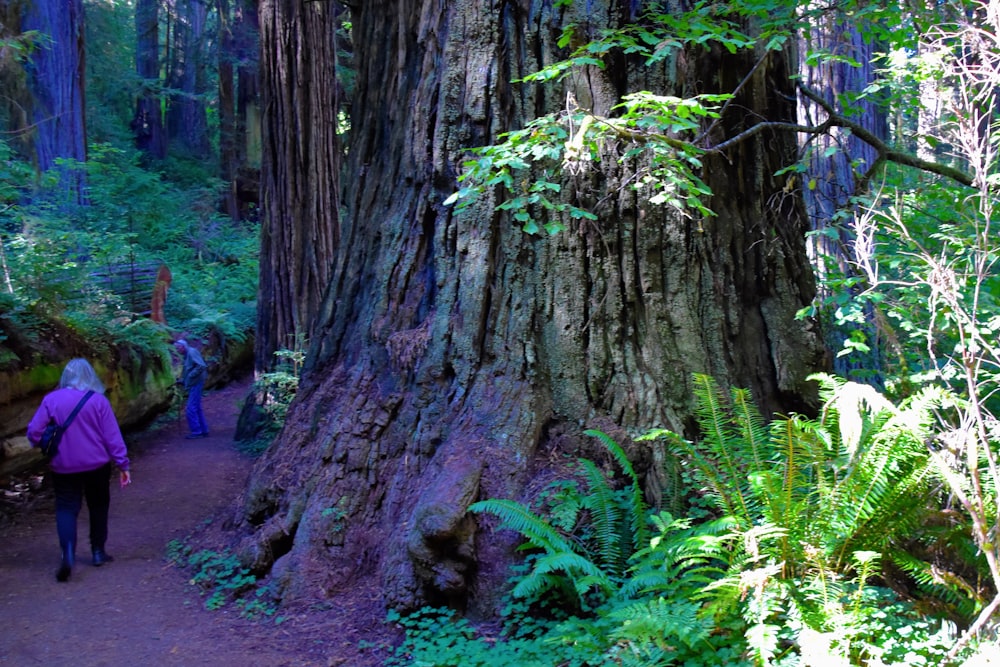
79	374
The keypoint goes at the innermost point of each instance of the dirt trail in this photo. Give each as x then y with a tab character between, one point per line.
139	610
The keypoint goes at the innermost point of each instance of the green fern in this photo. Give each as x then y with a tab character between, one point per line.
616	526
606	519
581	572
638	508
849	481
726	448
662	621
515	516
680	556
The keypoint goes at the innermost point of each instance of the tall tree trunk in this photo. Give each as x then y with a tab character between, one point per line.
300	172
56	75
147	124
15	103
455	357
227	109
187	122
248	72
248	118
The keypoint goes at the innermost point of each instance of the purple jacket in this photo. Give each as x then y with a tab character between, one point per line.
92	440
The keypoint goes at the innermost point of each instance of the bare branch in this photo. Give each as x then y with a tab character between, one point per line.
885	152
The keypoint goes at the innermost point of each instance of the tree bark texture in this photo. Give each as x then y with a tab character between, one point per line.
56	79
457	358
299	173
147	124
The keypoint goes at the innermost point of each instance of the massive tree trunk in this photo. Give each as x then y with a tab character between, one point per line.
300	179
56	75
456	357
147	124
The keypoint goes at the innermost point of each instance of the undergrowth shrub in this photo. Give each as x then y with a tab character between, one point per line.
223	581
790	572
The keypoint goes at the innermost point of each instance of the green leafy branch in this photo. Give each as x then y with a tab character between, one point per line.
662	138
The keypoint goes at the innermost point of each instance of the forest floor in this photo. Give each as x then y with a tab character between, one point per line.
141	609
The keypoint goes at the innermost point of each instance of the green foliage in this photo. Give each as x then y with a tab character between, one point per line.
111	88
274	391
852	480
222	580
55	250
632	597
660	139
810	509
219	576
438	638
592	567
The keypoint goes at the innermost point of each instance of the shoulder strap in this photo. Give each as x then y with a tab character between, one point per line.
79	405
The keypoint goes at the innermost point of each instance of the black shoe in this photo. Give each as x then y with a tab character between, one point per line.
66	566
195	436
101	557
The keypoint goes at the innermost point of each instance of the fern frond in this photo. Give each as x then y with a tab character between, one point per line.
661	620
681	559
947	589
515	516
722	441
638	508
753	433
581	572
849	404
606	517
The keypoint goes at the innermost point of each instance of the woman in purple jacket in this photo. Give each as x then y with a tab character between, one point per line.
82	467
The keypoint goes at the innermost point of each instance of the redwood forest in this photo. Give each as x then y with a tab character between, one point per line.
574	332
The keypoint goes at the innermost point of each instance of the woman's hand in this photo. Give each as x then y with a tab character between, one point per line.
124	478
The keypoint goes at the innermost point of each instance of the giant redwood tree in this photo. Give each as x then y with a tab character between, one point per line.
456	357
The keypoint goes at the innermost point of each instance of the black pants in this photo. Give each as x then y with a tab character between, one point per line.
71	489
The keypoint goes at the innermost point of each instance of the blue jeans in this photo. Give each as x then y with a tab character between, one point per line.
195	417
71	489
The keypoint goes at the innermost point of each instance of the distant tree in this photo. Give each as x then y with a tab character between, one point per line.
187	119
300	176
239	115
56	78
246	29
227	108
837	168
148	121
15	102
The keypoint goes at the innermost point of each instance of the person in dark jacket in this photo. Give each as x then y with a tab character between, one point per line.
91	445
193	379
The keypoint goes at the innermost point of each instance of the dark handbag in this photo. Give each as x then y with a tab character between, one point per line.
52	435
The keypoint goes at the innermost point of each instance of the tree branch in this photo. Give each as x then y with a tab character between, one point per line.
885	152
834	119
